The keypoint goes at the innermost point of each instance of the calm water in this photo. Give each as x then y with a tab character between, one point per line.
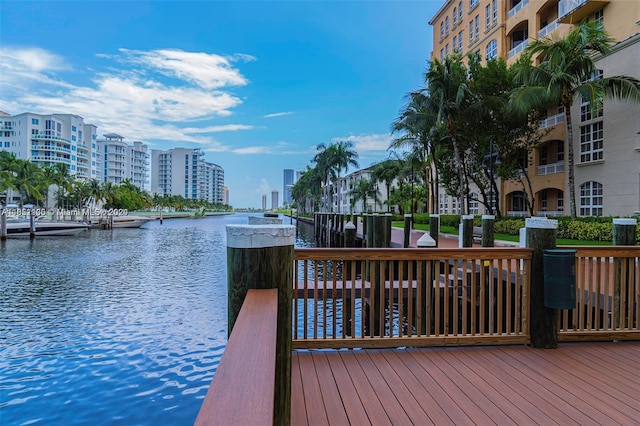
113	327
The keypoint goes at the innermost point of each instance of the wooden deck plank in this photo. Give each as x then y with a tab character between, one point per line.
334	407
369	398
298	410
517	392
407	402
316	412
566	389
353	405
578	383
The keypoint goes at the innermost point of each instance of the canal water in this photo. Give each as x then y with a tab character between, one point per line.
122	327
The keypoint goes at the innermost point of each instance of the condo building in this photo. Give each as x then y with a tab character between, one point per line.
183	171
287	185
606	145
120	161
49	139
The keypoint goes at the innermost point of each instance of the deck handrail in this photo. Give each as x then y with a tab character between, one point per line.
242	391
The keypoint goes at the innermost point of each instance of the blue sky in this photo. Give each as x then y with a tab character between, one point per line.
257	85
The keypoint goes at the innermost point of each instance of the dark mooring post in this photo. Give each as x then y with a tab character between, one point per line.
3	224
386	230
466	231
406	241
541	234
434	227
488	229
349	242
624	234
261	256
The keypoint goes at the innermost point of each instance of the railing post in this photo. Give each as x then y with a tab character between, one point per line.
466	231
541	234
624	234
434	227
263	257
488	227
407	230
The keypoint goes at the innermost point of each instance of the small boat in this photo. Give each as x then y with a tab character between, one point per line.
22	228
130	221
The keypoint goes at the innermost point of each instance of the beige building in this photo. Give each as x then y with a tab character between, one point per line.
606	147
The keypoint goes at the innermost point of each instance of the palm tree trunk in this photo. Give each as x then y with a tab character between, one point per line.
461	191
570	163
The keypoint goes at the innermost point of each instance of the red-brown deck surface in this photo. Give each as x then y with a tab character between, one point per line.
578	383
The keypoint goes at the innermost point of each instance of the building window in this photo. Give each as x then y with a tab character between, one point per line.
560	150
441	30
455	42
460	11
444	204
488	15
446	50
471	32
474	205
472	4
543	200
73	128
591	142
446	25
455	16
477	26
586	112
543	155
492	49
591	199
598	16
35	121
560	201
441	55
495	10
460	36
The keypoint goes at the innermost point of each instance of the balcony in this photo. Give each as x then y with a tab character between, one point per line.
548	29
550	169
42	136
551	121
51	159
546	213
51	148
574	11
519	48
517	213
517	8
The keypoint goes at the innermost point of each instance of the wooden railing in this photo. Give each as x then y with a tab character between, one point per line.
410	297
243	389
607	295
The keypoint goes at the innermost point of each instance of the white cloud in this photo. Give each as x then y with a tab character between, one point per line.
365	143
278	114
264	187
150	98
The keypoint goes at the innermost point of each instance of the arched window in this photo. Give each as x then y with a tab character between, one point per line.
591	199
492	50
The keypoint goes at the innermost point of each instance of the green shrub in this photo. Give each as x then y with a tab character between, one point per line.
509	225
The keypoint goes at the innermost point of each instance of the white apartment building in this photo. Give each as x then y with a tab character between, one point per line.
119	161
183	171
51	139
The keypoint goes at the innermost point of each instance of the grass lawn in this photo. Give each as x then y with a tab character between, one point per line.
504	237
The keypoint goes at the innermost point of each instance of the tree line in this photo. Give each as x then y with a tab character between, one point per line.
32	182
472	125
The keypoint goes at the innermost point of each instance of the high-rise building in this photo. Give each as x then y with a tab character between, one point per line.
183	171
274	199
287	184
52	139
264	201
226	195
606	145
118	161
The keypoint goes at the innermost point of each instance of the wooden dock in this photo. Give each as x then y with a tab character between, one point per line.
578	383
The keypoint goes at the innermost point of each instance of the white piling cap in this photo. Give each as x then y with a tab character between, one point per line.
426	241
488	216
260	236
540	223
624	221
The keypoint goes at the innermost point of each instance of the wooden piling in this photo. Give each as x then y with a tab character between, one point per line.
541	234
624	234
407	230
32	224
434	227
3	224
262	257
488	229
466	231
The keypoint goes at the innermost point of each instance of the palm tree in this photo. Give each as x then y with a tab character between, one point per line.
8	165
387	171
27	181
96	191
362	190
331	160
63	181
566	73
449	99
343	157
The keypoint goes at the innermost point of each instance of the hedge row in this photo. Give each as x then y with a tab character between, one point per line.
596	228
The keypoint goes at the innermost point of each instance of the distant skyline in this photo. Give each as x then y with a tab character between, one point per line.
257	85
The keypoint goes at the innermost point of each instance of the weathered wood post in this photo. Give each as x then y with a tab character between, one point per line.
3	224
465	237
434	227
386	230
32	224
541	234
406	241
488	230
624	234
364	221
263	257
349	242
